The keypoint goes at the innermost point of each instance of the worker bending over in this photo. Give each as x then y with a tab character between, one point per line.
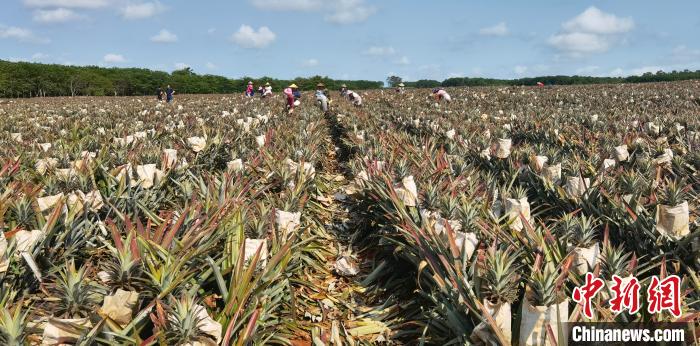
441	94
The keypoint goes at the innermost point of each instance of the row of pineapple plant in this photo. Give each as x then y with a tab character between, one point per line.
140	223
454	189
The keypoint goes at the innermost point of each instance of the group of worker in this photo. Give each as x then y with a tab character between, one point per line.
293	95
265	91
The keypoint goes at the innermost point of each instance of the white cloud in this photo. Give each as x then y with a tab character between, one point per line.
380	51
39	57
309	63
595	21
350	11
247	37
520	70
403	61
164	36
59	15
580	42
618	72
289	5
644	69
337	11
181	65
142	10
211	65
500	29
20	34
592	31
67	3
113	58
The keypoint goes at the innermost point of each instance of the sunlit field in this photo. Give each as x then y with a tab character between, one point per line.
222	219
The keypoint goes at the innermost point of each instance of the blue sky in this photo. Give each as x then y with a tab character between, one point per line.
358	39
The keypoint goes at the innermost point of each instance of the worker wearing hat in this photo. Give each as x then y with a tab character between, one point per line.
268	90
295	92
400	88
322	96
249	91
343	90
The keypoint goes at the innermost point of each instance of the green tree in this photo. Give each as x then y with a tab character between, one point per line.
393	81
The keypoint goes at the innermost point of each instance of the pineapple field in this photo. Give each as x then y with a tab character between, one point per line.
224	220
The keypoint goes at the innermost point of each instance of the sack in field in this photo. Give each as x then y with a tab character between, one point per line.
552	173
535	319
539	162
673	221
466	242
407	191
287	222
501	313
120	306
515	208
586	257
621	154
169	159
576	186
251	247
149	175
45	203
64	331
197	143
503	146
235	165
43	165
260	141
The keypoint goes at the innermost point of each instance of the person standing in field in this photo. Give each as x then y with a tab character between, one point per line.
322	96
289	94
400	88
441	94
159	94
169	92
249	91
343	90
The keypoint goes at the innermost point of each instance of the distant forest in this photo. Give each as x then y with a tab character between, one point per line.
659	76
24	79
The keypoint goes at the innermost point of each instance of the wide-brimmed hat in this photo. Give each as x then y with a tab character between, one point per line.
267	84
343	86
293	86
401	84
250	83
320	85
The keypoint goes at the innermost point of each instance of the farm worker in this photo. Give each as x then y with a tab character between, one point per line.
321	96
295	91
400	88
249	91
289	94
169	92
268	90
343	90
261	90
441	94
355	98
159	94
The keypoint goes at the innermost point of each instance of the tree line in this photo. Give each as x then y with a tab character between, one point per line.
659	76
24	79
